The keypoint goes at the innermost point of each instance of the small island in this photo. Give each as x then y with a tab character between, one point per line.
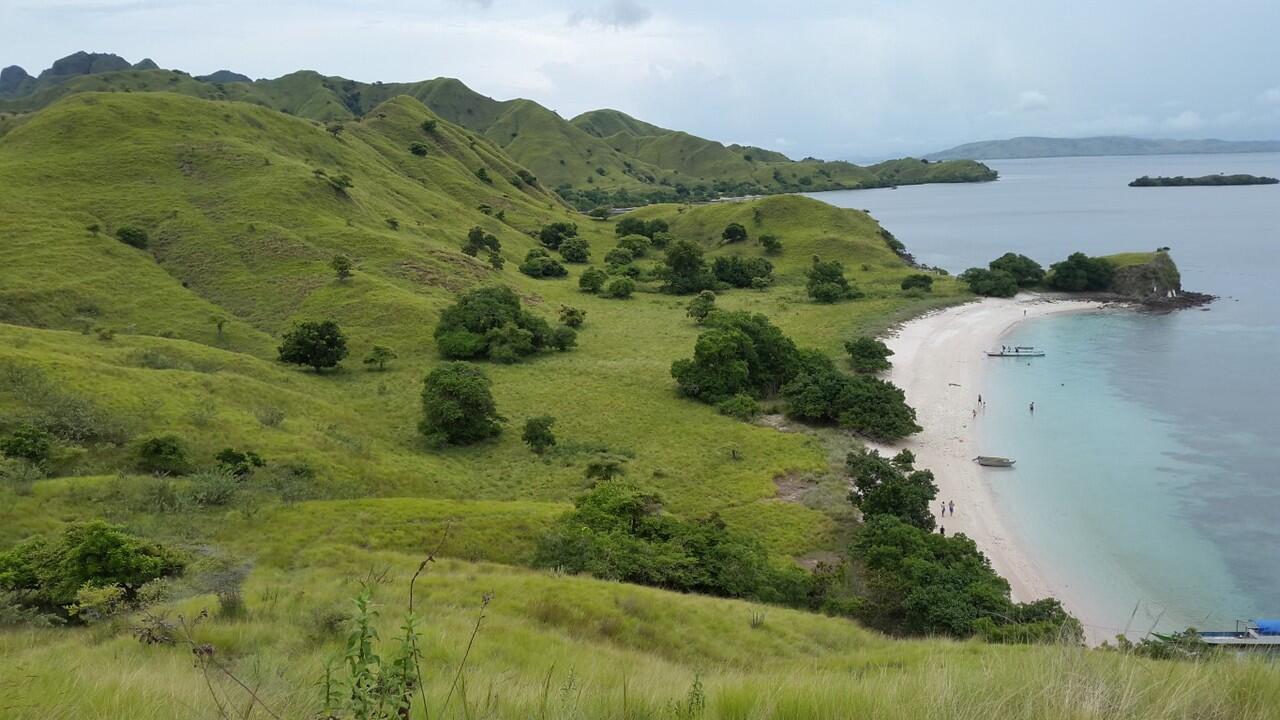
1202	181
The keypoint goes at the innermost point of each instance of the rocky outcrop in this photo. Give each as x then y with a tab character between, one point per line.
1155	279
83	63
146	64
14	81
224	76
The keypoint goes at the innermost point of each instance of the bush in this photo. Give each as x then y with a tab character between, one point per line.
478	239
620	288
772	244
827	283
133	236
734	232
483	175
637	245
319	345
490	322
537	433
593	280
458	406
572	316
868	355
919	281
631	226
49	573
428	126
741	272
882	487
240	464
163	455
619	256
379	356
341	265
661	239
28	442
575	250
1079	272
419	149
684	270
554	234
866	405
701	306
1024	270
538	264
213	488
991	283
564	338
738	353
740	406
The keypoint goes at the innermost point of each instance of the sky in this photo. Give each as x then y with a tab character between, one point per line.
851	79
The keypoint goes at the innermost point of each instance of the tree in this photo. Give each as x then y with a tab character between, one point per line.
335	129
319	345
1025	271
483	175
553	234
620	288
734	232
428	126
239	464
538	264
684	269
740	271
991	283
827	283
637	245
772	244
737	353
490	322
601	212
701	306
133	236
619	256
575	250
918	281
593	280
379	355
868	355
630	226
341	265
419	149
882	487
478	239
1080	272
163	455
572	316
867	405
564	338
458	406
537	433
29	443
661	239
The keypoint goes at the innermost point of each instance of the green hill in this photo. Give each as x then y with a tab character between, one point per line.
245	207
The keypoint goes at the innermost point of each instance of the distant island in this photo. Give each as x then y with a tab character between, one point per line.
1041	147
1204	180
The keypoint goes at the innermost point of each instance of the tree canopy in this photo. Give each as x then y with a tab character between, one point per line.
458	406
1079	272
827	283
490	323
1025	271
319	345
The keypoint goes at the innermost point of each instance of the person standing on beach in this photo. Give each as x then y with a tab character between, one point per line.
952	507
1033	408
944	510
942	531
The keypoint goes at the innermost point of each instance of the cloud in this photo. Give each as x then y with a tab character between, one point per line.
1185	120
1031	101
1271	96
618	14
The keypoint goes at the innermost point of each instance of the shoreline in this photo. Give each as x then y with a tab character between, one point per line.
939	363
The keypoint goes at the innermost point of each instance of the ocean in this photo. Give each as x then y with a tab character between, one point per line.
1147	477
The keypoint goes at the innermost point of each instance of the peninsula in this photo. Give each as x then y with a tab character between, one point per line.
1203	181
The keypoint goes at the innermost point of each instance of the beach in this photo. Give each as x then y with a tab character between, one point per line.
939	362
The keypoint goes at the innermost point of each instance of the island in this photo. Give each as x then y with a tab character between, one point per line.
1203	181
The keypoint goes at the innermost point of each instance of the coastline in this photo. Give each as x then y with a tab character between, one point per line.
939	363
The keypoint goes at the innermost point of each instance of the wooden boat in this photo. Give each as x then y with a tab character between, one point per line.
1018	352
993	461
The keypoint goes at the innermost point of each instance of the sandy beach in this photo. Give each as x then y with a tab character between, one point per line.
939	363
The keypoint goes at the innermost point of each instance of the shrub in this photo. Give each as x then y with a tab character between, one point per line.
419	149
1080	272
661	239
827	283
341	265
554	234
527	177
619	256
428	126
863	404
620	288
458	406
379	356
293	482
738	353
564	338
572	316
600	212
478	239
630	226
490	322
740	272
239	463
1024	270
538	264
868	355
28	442
684	270
734	232
991	283
133	236
575	250
49	573
537	433
483	175
213	488
593	280
637	245
319	345
740	406
881	487
772	244
163	455
918	281
762	282
701	306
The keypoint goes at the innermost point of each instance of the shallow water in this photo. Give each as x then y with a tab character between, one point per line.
1147	475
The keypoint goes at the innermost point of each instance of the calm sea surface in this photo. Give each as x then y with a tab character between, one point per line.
1149	475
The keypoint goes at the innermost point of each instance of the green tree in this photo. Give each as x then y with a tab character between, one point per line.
483	175
868	355
478	239
537	433
734	232
379	356
881	487
827	283
419	149
684	270
564	338
334	128
593	280
991	283
239	464
318	345
553	234
134	236
29	443
458	406
1079	272
1025	271
601	212
630	226
701	306
637	245
487	322
620	288
619	256
772	244
741	272
572	316
575	250
428	126
918	281
163	455
538	264
341	265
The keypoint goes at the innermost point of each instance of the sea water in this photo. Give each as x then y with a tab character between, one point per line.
1148	477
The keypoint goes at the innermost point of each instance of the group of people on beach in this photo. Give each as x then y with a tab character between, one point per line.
982	405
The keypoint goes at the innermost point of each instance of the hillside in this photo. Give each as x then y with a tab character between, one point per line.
599	158
1036	147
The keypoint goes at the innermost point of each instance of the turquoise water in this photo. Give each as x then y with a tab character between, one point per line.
1147	476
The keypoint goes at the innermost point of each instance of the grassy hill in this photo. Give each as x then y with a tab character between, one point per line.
116	344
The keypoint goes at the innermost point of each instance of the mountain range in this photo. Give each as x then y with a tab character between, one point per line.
1038	147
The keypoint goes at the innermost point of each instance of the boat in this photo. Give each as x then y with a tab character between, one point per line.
1017	351
1248	635
993	461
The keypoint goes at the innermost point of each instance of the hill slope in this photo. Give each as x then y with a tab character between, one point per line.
1034	147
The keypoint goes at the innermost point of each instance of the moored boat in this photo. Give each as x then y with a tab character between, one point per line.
993	461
